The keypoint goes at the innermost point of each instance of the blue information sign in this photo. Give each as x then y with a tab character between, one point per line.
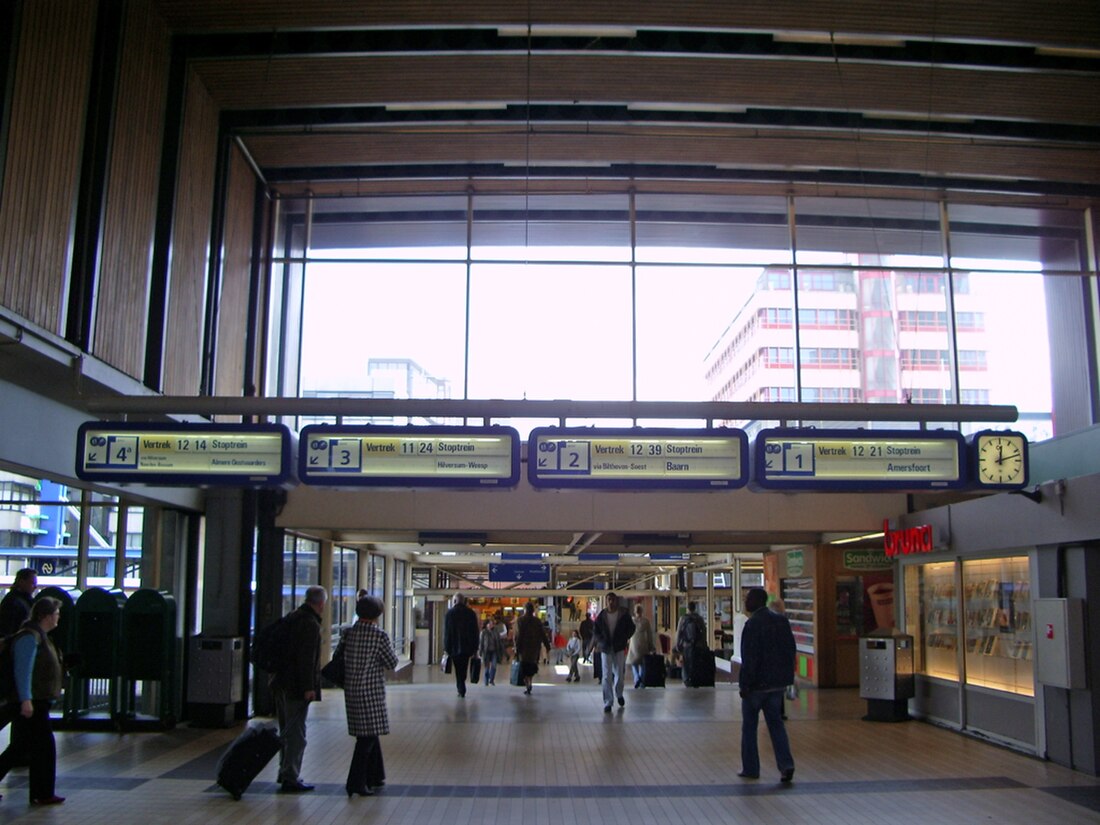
851	460
663	458
378	456
514	572
191	454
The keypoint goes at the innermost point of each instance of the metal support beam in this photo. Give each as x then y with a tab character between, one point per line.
211	405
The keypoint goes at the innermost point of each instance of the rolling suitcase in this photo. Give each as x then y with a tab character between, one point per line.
653	670
248	754
702	668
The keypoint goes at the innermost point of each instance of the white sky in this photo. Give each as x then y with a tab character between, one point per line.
544	331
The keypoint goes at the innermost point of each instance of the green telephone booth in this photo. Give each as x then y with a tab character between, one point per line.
98	621
149	657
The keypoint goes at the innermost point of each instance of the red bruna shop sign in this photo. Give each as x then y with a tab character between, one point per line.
908	540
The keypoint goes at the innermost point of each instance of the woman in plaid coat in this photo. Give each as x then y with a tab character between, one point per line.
367	651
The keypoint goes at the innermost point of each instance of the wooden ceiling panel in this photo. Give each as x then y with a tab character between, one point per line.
1066	23
850	87
776	150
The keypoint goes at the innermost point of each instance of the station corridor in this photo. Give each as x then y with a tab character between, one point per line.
554	758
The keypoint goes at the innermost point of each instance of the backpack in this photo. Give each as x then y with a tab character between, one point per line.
691	630
8	692
268	651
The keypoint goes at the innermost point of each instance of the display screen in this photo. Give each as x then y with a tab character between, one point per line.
409	456
183	453
792	459
637	458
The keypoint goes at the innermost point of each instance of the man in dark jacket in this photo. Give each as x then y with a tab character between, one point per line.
767	667
610	638
15	607
460	638
691	641
296	684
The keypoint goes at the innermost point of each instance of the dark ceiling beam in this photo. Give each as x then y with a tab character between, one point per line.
620	171
543	115
646	42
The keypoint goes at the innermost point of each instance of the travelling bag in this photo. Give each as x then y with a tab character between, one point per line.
248	754
702	668
653	670
475	668
597	666
515	675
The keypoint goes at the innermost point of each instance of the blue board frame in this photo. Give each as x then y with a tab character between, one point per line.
229	478
802	478
539	452
334	477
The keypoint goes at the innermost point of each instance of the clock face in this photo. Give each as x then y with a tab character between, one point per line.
1001	459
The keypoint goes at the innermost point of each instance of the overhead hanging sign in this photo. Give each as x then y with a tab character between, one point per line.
191	454
409	456
637	458
519	572
874	460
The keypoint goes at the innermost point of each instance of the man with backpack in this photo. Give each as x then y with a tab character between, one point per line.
295	683
691	641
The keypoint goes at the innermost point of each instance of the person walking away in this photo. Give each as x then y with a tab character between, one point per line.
15	609
37	668
642	643
573	651
368	652
460	639
767	668
585	628
611	637
530	640
488	648
296	683
691	641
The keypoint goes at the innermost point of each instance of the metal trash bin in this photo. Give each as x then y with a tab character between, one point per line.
886	676
215	679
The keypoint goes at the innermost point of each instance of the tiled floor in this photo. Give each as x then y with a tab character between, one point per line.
554	757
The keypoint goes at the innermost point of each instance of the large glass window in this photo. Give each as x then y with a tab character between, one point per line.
301	569
543	297
345	584
543	331
384	330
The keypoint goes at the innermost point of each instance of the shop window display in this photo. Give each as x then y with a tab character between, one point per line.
931	617
999	637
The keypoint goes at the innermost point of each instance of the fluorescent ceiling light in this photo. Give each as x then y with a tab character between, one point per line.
551	30
520	164
884	113
445	105
686	107
1055	51
864	537
840	39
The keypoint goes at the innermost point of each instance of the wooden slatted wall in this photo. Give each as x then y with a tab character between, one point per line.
233	304
38	203
191	243
122	293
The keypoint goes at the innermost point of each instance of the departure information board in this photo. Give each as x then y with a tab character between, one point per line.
823	460
408	456
637	458
192	454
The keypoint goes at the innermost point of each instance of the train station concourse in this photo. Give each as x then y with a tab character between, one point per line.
538	302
